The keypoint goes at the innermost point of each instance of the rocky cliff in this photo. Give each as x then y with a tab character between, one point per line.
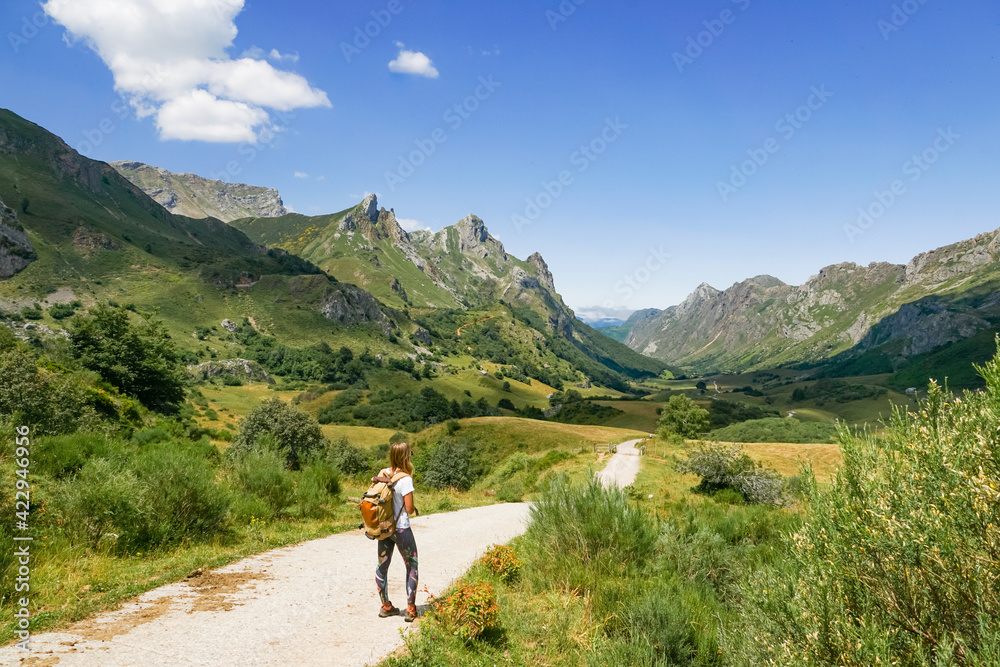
16	251
196	197
939	297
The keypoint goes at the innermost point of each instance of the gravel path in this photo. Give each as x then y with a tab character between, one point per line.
314	603
623	466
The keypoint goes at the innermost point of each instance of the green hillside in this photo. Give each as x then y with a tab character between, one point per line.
97	239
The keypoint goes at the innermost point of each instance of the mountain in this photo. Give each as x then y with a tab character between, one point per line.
861	319
460	267
75	230
82	232
197	197
621	330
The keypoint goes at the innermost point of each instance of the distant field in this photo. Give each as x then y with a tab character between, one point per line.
639	415
658	478
511	434
785	458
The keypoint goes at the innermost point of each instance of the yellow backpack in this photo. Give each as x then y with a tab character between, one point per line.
376	507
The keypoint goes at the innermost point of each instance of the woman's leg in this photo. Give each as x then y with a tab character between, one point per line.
408	550
382	571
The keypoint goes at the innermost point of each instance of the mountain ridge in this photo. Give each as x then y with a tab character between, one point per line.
198	197
843	311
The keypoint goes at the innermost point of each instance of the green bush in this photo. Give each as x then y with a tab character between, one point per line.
180	484
350	460
104	499
728	467
248	508
450	463
139	359
262	472
62	456
318	484
296	433
576	529
899	560
51	402
61	311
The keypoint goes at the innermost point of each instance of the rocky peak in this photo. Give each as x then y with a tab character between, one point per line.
542	270
474	238
369	207
767	281
388	225
702	292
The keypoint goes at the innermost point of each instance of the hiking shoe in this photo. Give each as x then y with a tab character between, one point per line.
388	610
411	613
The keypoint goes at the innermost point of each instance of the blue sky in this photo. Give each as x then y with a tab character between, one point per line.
695	140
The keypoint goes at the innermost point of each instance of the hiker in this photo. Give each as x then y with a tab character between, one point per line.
403	507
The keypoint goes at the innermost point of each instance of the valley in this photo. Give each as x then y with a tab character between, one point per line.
224	375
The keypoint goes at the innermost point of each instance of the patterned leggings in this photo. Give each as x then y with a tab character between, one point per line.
408	550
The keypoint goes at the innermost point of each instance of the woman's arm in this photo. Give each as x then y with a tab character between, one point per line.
411	508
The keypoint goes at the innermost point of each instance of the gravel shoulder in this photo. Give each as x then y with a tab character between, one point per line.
311	603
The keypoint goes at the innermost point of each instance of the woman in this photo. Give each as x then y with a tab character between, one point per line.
403	507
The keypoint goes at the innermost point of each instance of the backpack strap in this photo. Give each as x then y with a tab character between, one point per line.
392	482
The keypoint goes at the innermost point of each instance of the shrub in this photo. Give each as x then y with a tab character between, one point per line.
61	311
62	456
727	467
452	426
296	433
51	402
586	527
104	498
350	460
449	464
318	484
899	560
469	611
180	485
502	561
262	472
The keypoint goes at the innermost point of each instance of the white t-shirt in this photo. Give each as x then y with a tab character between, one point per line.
402	488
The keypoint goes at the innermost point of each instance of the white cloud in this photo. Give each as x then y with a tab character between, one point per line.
411	225
413	62
283	57
258	53
301	174
321	178
169	58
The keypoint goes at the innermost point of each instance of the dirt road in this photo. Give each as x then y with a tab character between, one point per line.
623	466
310	604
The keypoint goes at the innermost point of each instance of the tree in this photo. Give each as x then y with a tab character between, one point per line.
139	359
682	416
799	395
25	203
295	432
701	386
